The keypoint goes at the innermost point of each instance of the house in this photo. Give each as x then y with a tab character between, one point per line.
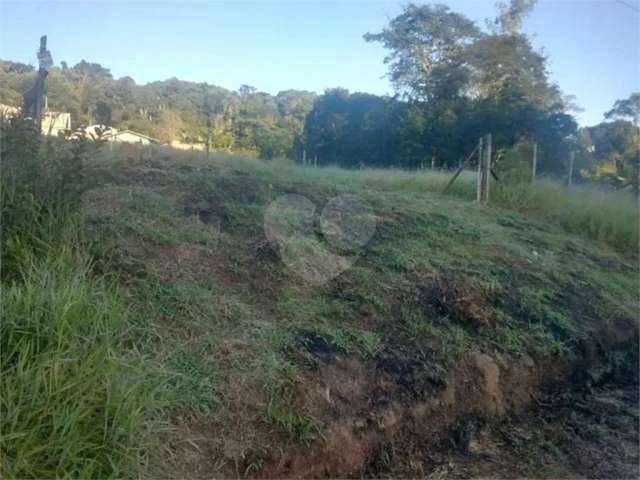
8	110
177	144
129	136
55	122
110	134
52	122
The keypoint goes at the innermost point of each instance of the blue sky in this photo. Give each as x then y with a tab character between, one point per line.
593	45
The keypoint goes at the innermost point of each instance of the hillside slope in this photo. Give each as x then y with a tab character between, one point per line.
311	325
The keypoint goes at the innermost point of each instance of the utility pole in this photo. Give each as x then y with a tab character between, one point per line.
33	100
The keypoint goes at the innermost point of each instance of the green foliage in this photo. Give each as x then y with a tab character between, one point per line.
72	404
294	424
458	83
41	184
610	152
192	383
606	216
246	120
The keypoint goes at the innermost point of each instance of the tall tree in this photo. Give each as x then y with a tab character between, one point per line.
626	109
511	15
427	45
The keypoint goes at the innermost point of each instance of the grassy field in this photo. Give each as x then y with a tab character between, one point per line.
160	331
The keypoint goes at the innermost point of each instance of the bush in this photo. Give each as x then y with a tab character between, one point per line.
40	188
71	403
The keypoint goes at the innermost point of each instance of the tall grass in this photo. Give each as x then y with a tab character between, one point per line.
73	401
72	404
610	217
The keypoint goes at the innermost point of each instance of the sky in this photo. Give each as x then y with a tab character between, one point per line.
593	46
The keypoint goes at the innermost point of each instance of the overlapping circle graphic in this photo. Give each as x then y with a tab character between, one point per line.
319	247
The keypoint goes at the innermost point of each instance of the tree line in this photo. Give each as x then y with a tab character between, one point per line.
454	81
245	121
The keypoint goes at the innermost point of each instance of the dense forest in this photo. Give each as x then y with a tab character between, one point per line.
454	81
171	110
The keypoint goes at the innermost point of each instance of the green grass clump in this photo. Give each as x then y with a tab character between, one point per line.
72	405
610	217
295	424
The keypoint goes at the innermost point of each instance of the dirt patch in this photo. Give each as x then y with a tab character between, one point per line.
571	433
362	409
457	297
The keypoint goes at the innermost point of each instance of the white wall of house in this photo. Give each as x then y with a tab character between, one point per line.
8	110
127	136
186	146
55	122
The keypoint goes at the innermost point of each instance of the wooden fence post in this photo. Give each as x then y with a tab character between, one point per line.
485	172
460	168
572	157
304	157
487	169
636	177
534	163
479	175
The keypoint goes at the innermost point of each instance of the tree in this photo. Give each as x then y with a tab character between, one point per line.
468	82
272	141
102	113
627	109
512	15
630	109
427	45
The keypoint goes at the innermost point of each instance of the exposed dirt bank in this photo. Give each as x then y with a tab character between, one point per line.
372	414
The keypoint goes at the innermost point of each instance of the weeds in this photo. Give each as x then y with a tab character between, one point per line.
294	424
72	405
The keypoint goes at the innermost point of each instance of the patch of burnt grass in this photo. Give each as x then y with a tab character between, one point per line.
339	339
417	374
455	297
